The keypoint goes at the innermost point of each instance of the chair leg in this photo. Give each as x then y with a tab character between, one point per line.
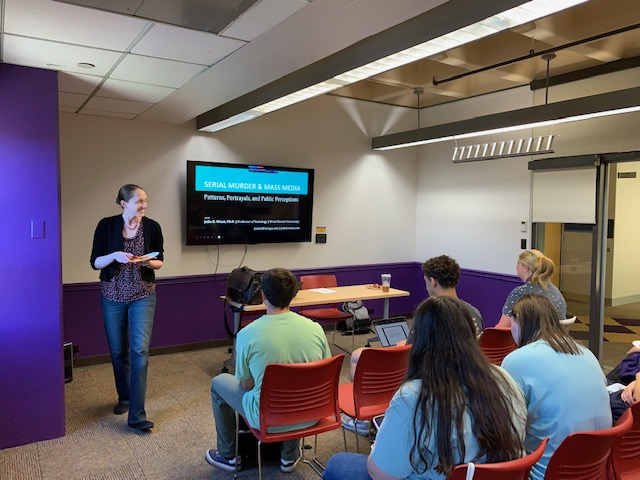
314	463
235	473
259	460
344	438
356	434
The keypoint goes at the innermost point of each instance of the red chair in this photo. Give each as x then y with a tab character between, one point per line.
497	343
512	470
625	451
584	455
298	393
379	374
326	314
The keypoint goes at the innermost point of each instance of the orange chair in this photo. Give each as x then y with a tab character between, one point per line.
511	470
326	314
625	451
584	455
379	374
298	393
497	343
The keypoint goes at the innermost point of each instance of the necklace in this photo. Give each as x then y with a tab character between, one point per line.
131	228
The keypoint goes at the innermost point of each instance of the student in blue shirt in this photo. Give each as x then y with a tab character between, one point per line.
563	384
455	407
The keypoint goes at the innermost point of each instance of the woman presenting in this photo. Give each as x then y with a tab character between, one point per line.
127	248
534	269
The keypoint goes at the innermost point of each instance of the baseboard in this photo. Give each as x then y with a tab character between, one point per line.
87	361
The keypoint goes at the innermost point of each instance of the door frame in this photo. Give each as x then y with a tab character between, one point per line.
601	162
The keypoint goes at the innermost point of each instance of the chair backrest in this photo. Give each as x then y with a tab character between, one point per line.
625	451
584	455
512	470
497	343
318	281
379	374
300	392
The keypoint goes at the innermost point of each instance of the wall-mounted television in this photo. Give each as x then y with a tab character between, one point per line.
248	204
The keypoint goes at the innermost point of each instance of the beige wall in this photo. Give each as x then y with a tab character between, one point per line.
366	201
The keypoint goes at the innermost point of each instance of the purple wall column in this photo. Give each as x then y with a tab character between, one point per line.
31	358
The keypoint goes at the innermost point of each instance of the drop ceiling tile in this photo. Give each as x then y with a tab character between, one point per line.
71	24
77	82
133	91
73	100
56	56
117	105
106	113
182	44
262	17
155	71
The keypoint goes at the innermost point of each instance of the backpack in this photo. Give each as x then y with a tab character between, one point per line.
243	286
360	321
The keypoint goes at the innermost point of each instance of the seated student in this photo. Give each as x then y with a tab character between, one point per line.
627	372
534	269
562	382
280	336
454	407
441	276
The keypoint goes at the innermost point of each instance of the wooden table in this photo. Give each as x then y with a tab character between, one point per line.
306	298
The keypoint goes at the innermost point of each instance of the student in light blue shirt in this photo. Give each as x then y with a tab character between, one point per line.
563	384
455	407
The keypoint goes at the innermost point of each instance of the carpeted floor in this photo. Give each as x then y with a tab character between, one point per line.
99	445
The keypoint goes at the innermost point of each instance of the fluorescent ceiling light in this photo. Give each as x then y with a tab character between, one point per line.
585	108
510	18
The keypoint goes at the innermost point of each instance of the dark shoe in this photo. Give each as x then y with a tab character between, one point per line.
214	458
121	408
288	466
143	426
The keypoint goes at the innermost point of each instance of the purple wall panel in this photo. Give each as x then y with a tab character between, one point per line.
189	309
31	359
487	292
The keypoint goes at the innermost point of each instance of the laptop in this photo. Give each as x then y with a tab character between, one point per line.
392	330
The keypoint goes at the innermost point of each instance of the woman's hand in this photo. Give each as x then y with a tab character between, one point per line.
120	257
630	394
633	350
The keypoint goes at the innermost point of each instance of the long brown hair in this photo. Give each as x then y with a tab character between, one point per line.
456	377
538	320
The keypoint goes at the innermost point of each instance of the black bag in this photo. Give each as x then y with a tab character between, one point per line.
243	286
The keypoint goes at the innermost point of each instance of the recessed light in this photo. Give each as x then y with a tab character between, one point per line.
86	65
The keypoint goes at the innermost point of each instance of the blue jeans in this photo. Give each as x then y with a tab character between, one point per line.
226	399
347	466
128	327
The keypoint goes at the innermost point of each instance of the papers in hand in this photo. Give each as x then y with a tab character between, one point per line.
322	290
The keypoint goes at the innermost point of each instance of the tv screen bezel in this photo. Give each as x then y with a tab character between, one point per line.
304	235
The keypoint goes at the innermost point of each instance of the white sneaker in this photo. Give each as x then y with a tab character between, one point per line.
361	427
288	466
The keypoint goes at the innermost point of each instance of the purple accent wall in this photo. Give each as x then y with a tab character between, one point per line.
31	358
189	309
487	292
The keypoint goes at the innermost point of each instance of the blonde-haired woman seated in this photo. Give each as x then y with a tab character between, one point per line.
534	269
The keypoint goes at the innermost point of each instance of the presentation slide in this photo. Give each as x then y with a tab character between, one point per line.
248	204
